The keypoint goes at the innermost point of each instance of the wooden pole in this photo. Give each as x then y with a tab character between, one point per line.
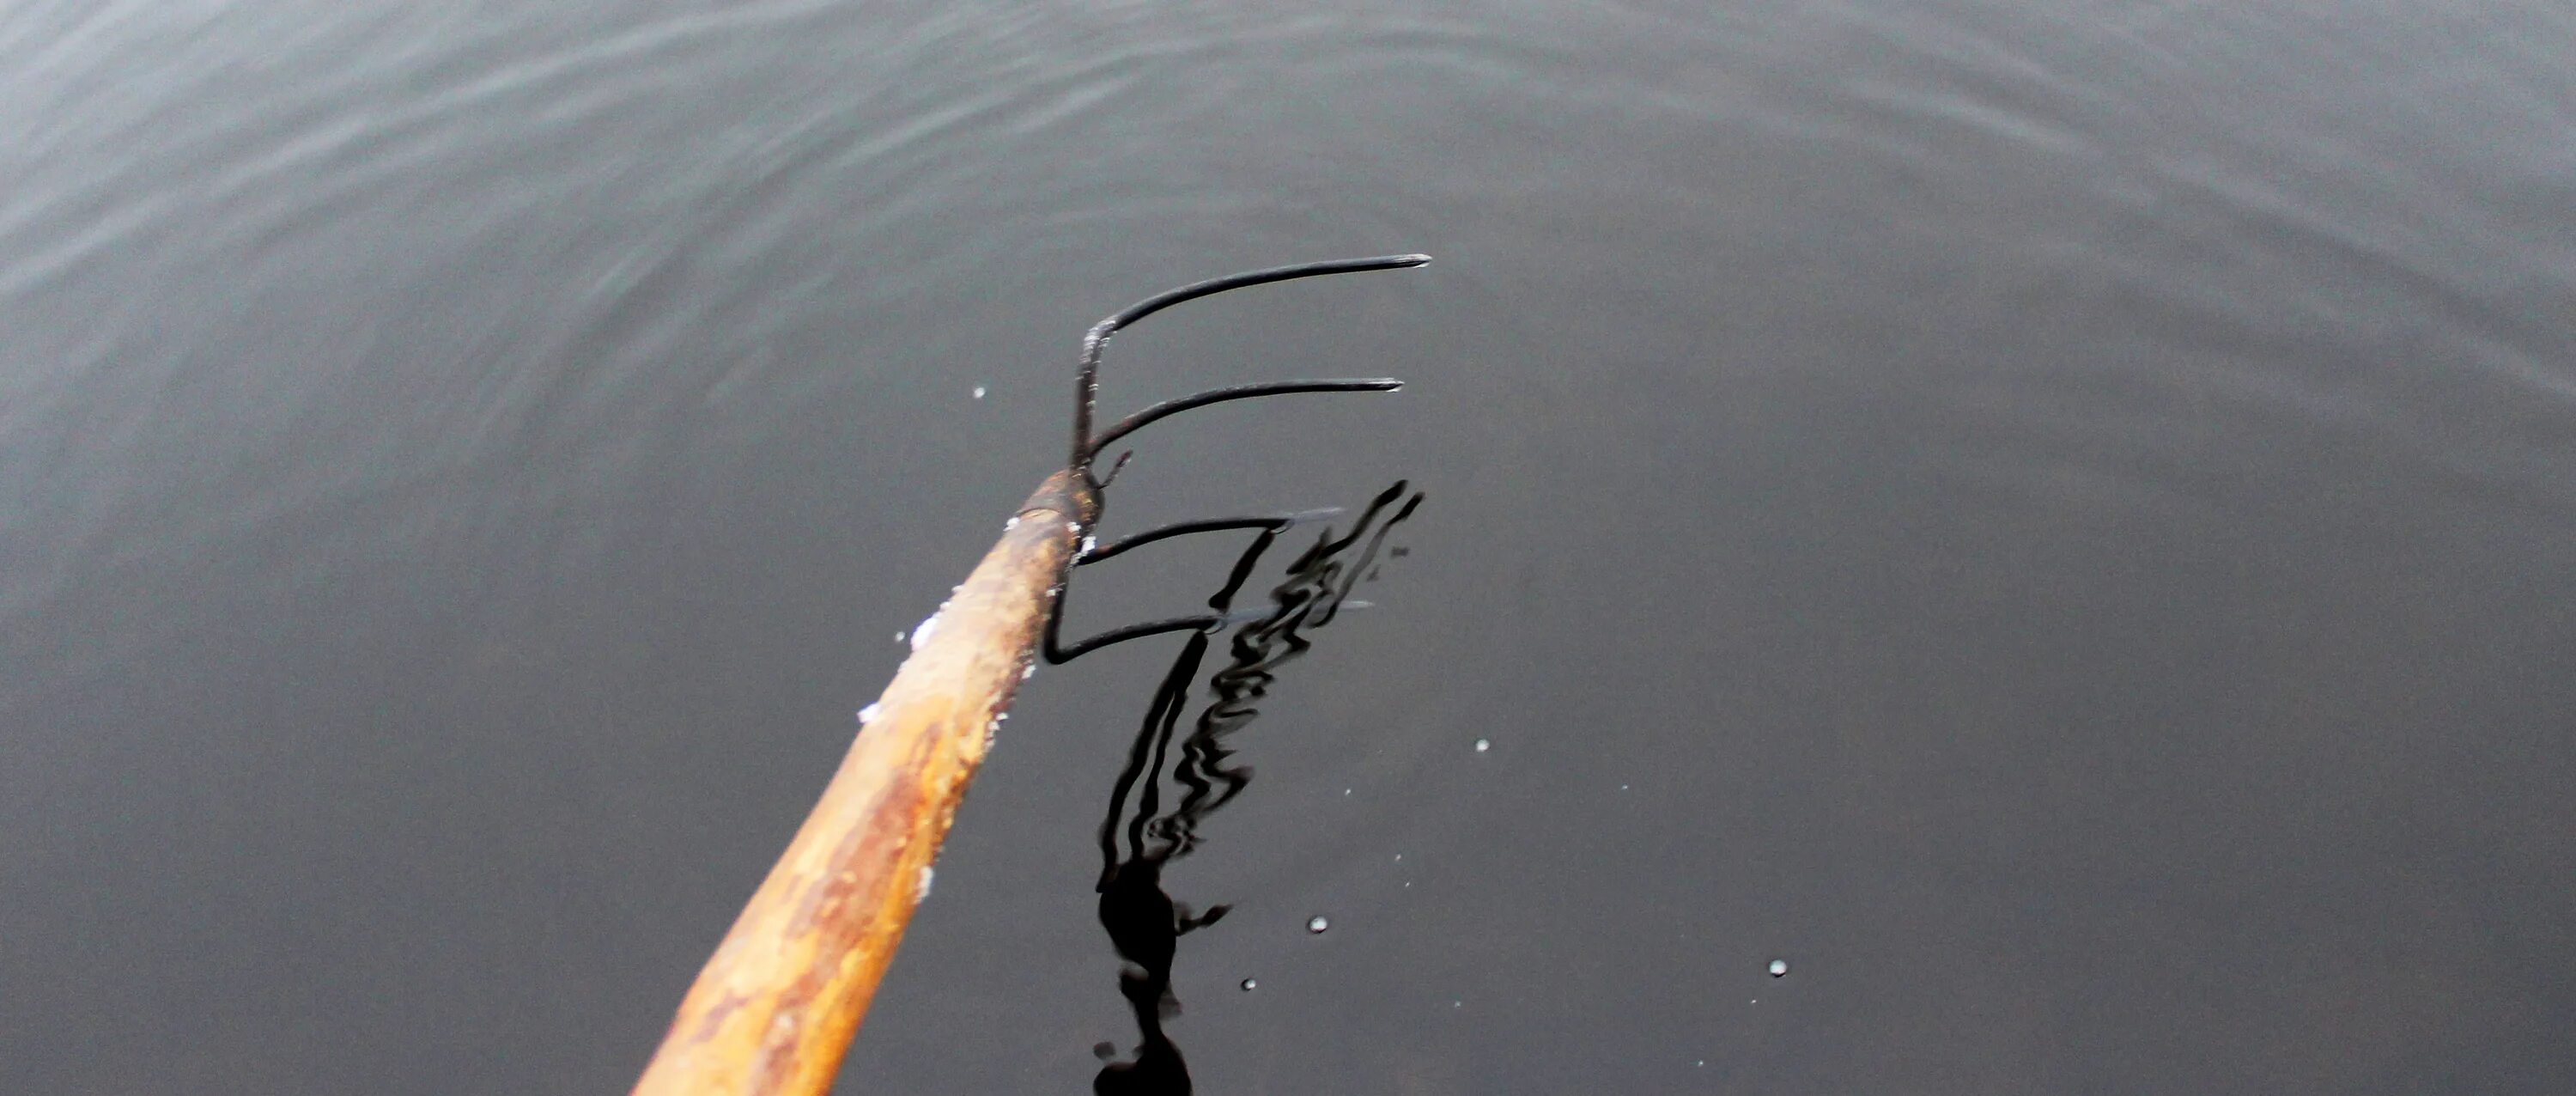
775	1007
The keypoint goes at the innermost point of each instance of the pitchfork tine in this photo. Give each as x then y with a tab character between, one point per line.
1096	343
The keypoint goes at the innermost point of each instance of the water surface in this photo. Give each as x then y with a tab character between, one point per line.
2052	519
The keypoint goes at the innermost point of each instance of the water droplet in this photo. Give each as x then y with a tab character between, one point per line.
898	636
1088	543
1318	923
1483	745
1028	671
921	632
1779	968
867	715
1249	985
979	391
1014	523
921	886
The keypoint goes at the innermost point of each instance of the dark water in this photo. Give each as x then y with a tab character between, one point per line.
2053	519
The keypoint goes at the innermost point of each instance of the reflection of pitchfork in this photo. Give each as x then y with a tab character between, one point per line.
774	1009
1145	925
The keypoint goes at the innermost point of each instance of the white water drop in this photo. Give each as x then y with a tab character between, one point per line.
898	636
921	887
1779	968
921	632
1483	745
1028	671
1249	985
1088	543
979	391
1317	923
1014	523
867	715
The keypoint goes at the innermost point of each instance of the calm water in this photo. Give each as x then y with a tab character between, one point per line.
2056	520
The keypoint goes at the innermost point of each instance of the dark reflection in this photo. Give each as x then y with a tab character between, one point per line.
1141	835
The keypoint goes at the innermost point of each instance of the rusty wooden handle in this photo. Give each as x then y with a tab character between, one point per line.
775	1007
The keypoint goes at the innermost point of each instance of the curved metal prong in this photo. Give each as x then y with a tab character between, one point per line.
1059	655
1096	343
1273	522
1132	423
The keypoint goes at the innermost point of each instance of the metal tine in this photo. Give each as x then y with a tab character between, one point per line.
1096	343
1057	654
1087	447
1272	522
1141	419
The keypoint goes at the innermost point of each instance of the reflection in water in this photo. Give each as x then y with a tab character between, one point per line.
1141	835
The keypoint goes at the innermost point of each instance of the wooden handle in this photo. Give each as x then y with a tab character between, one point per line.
775	1008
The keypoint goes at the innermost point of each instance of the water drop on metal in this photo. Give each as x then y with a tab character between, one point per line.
1483	745
1779	968
1249	985
1318	923
979	391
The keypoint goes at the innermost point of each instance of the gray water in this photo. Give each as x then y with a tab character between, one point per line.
2052	519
